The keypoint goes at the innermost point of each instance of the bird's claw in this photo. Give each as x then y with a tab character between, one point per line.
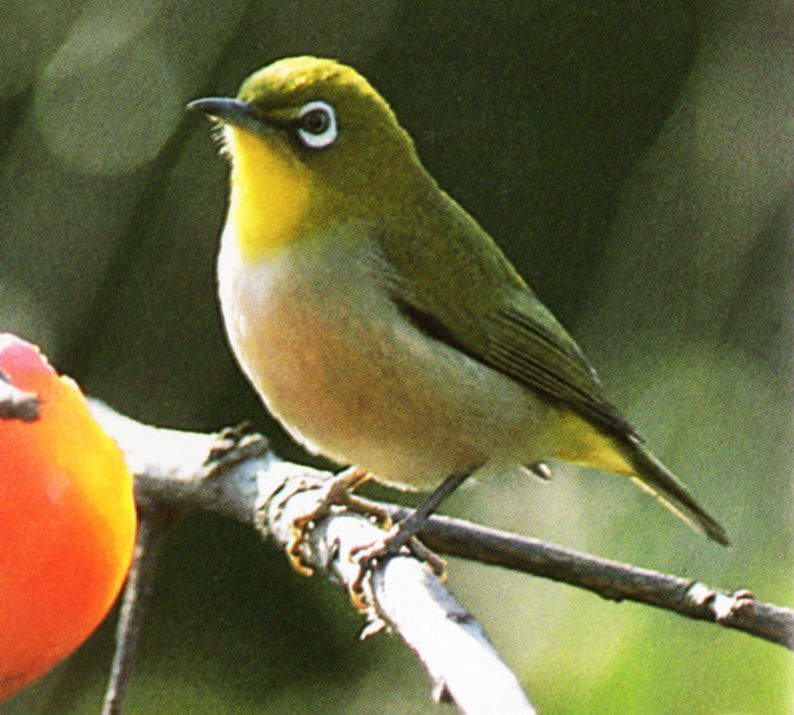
396	542
401	539
233	445
336	492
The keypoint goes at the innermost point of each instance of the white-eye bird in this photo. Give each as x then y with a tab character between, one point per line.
377	320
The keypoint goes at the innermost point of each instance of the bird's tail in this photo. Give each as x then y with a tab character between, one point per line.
654	477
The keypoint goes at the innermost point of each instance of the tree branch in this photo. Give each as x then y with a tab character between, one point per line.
236	475
610	579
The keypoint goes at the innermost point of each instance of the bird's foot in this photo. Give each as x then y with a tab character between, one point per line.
401	539
233	445
337	492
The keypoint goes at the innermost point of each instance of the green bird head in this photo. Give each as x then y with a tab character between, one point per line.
310	141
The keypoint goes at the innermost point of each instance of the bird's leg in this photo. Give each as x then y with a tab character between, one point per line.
404	533
338	492
410	525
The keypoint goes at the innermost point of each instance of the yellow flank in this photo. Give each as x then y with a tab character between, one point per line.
270	195
585	444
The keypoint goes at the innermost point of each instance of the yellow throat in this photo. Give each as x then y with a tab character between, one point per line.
269	195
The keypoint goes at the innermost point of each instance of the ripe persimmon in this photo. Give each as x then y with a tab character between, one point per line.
67	521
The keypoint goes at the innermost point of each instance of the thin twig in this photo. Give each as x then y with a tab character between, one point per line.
149	543
610	579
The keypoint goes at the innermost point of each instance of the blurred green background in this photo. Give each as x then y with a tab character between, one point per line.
635	160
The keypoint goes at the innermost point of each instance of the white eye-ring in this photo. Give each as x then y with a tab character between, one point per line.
317	125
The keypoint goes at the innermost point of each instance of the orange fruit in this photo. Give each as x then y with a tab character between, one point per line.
67	521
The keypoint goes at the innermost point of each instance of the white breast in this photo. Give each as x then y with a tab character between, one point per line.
348	375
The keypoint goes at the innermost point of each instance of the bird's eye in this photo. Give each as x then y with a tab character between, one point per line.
317	125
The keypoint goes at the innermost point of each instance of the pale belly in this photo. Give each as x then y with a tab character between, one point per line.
350	378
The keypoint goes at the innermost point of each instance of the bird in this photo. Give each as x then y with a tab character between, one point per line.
379	322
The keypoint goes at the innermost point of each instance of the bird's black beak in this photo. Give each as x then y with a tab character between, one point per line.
232	111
